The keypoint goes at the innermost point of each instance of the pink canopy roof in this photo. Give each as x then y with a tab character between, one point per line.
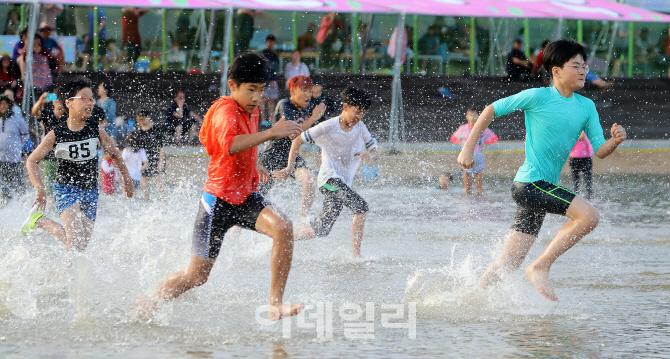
311	5
478	8
593	10
567	9
184	4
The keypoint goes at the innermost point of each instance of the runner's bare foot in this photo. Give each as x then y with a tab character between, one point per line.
490	277
144	309
285	310
540	278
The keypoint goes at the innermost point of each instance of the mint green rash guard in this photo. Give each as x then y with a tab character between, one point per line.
553	126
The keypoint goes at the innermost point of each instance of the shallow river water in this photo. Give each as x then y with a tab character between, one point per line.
415	295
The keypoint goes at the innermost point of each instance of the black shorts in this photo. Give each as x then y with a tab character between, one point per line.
152	169
215	217
132	51
581	164
338	194
534	200
264	188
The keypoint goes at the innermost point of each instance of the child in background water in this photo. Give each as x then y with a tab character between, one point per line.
459	137
136	160
580	161
109	175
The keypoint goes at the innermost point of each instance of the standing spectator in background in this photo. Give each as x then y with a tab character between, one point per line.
429	44
538	69
295	67
102	32
149	138
327	36
580	162
130	28
42	77
271	93
49	13
13	133
52	45
244	29
8	73
13	23
664	45
307	42
517	64
107	104
80	48
392	44
19	47
179	119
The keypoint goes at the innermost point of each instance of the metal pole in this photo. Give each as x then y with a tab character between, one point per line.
28	89
23	17
231	41
354	42
96	23
396	97
631	33
225	56
294	24
415	45
210	40
473	44
615	29
526	37
580	31
164	39
559	28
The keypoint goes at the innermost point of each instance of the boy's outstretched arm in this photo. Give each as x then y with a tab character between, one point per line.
34	170
466	158
281	128
318	111
295	147
618	136
113	152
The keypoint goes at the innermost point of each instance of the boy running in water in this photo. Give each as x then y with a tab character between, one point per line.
75	144
343	141
275	156
230	197
555	117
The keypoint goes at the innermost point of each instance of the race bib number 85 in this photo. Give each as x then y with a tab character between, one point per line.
78	150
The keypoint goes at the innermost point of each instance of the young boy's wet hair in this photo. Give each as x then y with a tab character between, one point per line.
299	81
353	96
250	66
143	111
71	88
557	53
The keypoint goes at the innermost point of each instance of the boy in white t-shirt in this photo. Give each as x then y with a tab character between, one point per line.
136	160
343	141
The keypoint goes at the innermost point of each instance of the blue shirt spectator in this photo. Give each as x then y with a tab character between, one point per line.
101	19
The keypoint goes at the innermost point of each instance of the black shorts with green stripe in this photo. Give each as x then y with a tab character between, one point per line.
534	200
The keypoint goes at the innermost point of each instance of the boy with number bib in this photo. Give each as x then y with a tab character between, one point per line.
343	141
555	117
75	143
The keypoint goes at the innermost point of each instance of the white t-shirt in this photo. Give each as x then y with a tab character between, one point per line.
340	150
300	69
134	162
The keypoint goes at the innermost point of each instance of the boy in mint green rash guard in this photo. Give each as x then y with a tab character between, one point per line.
555	117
